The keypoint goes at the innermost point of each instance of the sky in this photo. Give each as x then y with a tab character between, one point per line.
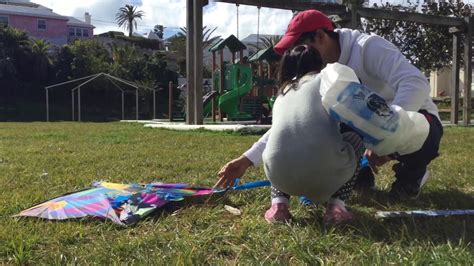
172	14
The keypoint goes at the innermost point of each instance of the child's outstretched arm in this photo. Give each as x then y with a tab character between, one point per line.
237	167
232	170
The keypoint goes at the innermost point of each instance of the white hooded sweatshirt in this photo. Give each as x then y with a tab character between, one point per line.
382	68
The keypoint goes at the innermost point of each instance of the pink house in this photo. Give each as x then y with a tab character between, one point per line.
78	29
41	22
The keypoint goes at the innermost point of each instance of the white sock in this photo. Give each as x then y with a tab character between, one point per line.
280	199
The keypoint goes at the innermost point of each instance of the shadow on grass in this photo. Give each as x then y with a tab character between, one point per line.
437	230
434	229
438	199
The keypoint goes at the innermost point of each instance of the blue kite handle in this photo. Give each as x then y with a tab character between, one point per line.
255	184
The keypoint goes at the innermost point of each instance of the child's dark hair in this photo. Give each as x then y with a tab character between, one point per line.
296	63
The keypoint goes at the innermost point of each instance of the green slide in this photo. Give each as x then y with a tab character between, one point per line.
238	82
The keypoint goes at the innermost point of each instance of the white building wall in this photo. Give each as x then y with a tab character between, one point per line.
441	82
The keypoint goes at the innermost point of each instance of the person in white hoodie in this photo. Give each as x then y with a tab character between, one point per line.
381	67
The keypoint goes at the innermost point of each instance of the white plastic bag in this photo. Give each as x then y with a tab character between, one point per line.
386	129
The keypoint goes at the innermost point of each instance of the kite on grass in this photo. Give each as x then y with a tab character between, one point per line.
122	204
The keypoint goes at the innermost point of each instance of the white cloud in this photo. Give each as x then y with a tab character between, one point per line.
172	14
224	17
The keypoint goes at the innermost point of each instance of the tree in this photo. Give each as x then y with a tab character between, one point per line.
42	59
207	38
159	30
178	45
127	18
266	42
7	69
14	51
128	63
13	41
426	46
89	57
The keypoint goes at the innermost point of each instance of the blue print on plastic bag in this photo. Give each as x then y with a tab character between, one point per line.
368	106
367	137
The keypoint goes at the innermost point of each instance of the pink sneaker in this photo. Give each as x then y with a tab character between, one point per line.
278	213
336	214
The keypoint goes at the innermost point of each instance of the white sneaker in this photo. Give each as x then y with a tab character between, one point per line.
425	178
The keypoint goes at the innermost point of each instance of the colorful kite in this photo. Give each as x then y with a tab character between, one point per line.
121	203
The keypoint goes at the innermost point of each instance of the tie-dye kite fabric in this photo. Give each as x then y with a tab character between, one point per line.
122	204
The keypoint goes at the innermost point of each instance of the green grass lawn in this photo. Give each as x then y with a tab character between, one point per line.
39	161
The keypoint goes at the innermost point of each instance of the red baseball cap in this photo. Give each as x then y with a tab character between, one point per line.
305	21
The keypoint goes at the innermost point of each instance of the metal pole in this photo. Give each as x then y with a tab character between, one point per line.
198	63
269	72
123	105
154	104
258	29
455	77
467	72
131	84
213	113
237	7
170	101
79	104
73	102
355	17
221	79
190	102
112	80
67	82
47	105
136	104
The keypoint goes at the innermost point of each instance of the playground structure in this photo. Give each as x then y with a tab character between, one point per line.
231	81
237	93
265	79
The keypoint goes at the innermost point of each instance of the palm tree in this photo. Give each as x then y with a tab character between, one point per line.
266	42
123	54
41	56
13	40
127	18
207	38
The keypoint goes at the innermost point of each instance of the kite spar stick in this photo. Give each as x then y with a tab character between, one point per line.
423	213
249	185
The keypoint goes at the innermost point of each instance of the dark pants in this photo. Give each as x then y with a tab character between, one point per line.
411	167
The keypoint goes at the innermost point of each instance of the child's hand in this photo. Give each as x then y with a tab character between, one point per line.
232	170
376	161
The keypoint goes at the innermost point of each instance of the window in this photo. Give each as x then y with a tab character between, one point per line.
85	32
78	32
41	24
72	32
4	21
